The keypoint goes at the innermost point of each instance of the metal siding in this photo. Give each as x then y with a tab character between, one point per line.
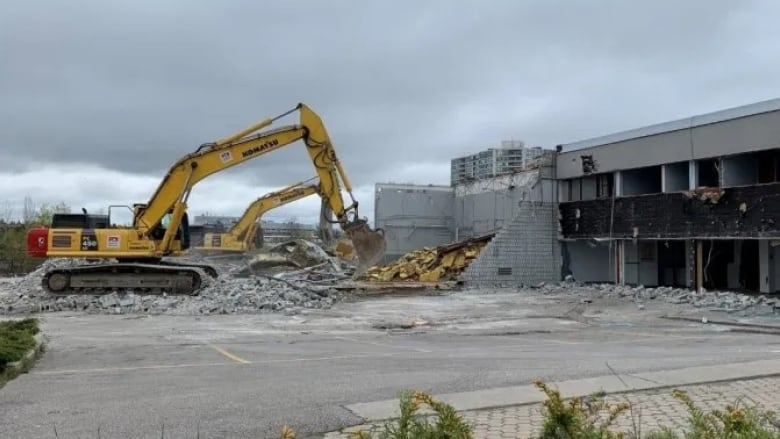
414	216
753	133
743	111
635	153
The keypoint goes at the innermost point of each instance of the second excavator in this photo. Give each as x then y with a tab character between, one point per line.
138	257
241	236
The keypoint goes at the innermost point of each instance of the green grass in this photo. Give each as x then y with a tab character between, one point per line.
16	339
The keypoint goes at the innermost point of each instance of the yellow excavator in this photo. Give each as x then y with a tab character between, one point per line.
241	236
133	258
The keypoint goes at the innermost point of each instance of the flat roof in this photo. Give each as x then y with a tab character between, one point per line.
676	125
402	186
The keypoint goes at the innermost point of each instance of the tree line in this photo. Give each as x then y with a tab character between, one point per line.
13	236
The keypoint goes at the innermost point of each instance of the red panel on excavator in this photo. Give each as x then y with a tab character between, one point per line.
38	242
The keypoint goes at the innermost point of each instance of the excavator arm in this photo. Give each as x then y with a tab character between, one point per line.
171	196
241	235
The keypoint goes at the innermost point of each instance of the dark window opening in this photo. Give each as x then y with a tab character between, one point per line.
749	275
676	177
575	190
504	271
716	257
708	173
588	188
768	166
671	263
642	181
604	184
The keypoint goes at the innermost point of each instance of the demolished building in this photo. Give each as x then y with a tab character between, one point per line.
519	209
691	203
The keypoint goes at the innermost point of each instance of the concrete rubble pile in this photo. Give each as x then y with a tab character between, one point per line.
225	295
297	259
720	301
442	263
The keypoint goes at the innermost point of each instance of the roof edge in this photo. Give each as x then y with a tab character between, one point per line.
676	125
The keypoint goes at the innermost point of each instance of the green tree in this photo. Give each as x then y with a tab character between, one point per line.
13	236
43	214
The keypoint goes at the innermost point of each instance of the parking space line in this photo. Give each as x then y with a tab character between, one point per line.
233	357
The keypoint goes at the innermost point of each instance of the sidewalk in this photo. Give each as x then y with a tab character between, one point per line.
652	402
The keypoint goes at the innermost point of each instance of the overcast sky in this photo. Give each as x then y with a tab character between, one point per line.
98	99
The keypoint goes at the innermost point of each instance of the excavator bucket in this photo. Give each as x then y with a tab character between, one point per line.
370	246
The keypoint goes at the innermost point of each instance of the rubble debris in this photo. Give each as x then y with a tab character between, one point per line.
300	252
706	194
734	303
445	262
224	295
289	255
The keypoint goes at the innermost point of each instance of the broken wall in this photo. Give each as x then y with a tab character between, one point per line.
413	216
588	261
484	206
525	251
749	211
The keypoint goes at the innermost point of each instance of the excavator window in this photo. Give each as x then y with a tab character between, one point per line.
182	234
79	220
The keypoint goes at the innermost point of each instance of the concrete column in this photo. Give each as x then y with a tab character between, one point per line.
663	178
699	265
764	272
690	263
618	180
620	262
774	268
693	175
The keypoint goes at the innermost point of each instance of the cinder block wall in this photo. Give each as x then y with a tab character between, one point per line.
525	251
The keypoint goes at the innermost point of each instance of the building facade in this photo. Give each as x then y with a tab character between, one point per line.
693	202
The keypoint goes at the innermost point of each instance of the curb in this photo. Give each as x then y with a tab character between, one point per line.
610	384
749	327
12	370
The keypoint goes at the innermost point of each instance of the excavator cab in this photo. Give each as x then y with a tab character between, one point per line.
182	234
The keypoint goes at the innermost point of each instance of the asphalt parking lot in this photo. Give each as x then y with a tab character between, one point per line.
247	376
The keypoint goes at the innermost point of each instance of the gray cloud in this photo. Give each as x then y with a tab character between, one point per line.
132	86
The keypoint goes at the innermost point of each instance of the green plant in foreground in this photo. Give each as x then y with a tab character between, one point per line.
412	425
26	325
578	418
735	422
16	339
575	418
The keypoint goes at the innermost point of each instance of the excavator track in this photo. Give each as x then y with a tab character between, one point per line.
211	271
101	279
